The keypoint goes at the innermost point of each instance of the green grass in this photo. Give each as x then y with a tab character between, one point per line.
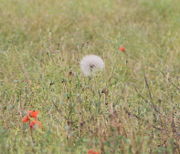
41	41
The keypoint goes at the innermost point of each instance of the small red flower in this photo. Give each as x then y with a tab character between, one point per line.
34	124
92	152
122	49
33	114
31	117
25	119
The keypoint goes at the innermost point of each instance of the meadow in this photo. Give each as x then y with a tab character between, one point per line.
132	106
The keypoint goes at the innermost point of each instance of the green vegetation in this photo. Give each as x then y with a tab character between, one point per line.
131	107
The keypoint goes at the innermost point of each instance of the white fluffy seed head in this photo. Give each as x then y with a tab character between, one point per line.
91	64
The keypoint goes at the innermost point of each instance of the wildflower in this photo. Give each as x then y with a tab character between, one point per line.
91	64
92	152
31	114
122	49
31	118
25	119
35	124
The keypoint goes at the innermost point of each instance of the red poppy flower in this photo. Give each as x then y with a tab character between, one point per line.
122	49
34	124
25	119
92	152
33	114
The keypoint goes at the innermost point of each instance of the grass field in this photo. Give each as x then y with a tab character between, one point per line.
133	106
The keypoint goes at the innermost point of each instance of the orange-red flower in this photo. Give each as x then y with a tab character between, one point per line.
92	152
34	124
25	119
31	114
122	49
31	117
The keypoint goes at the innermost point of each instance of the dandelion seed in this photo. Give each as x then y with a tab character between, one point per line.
91	64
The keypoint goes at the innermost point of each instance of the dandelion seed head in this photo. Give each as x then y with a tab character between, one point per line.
91	64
